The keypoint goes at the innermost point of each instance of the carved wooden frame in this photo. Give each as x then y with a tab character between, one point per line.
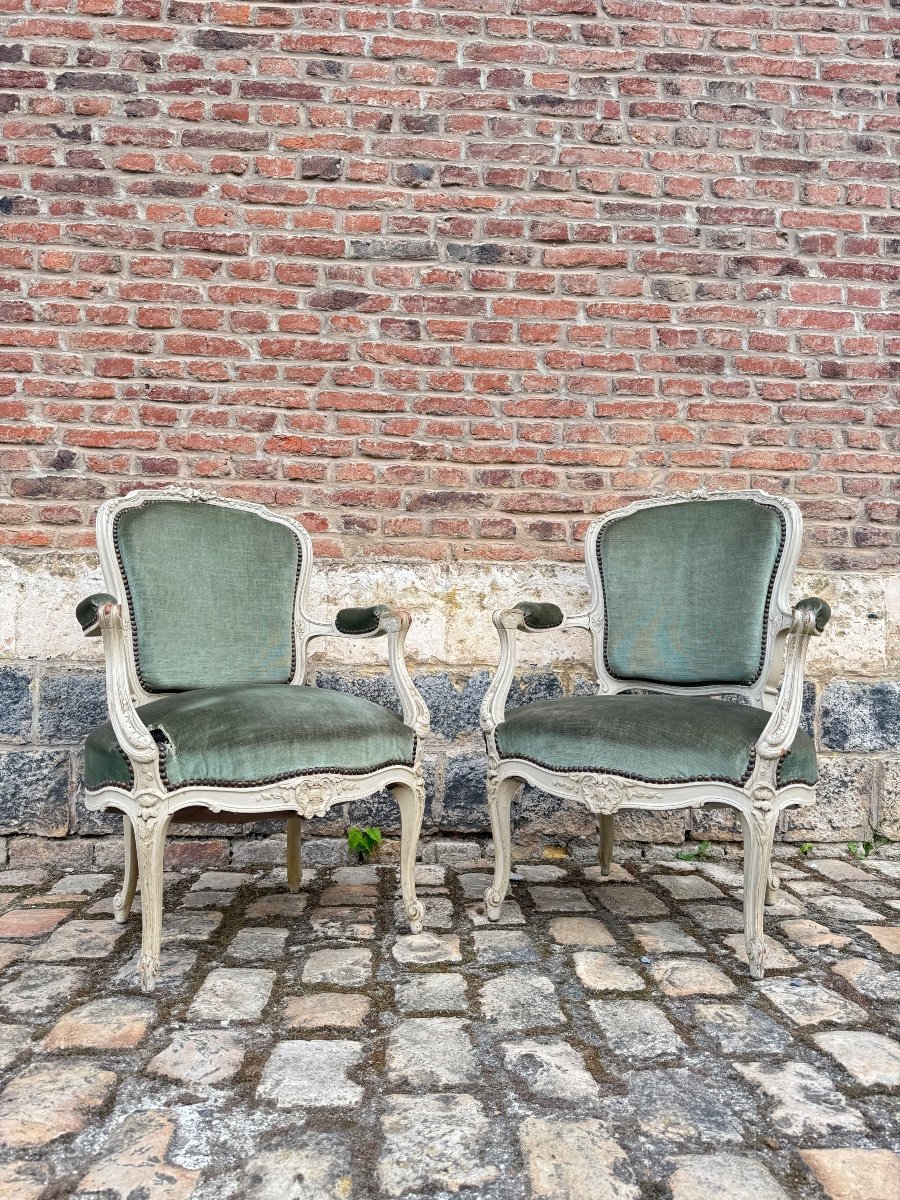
149	806
759	801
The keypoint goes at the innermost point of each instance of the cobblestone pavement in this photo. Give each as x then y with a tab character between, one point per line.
603	1041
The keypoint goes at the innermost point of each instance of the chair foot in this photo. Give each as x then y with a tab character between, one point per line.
123	900
294	867
493	902
148	970
416	914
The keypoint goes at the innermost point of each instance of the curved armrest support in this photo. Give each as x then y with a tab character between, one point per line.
87	612
810	617
132	734
526	615
380	620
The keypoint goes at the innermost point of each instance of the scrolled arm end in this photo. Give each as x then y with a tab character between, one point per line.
820	609
87	613
537	615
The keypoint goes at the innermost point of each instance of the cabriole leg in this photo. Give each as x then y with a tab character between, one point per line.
411	802
500	797
773	883
151	844
123	900
607	841
294	869
759	833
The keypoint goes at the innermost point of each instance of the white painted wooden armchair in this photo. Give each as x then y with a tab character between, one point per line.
205	633
689	604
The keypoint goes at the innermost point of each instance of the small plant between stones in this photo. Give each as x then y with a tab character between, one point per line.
362	842
703	853
864	849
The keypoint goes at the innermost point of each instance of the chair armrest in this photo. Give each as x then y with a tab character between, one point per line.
87	612
133	736
353	622
532	617
819	608
809	618
537	615
380	620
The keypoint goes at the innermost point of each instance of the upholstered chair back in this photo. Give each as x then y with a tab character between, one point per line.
211	592
686	590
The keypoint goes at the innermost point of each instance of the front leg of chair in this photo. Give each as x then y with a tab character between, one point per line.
607	841
759	833
123	900
500	798
294	868
150	831
411	802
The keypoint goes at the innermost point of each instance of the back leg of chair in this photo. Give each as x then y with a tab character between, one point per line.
123	899
411	802
294	869
773	883
607	841
500	798
759	833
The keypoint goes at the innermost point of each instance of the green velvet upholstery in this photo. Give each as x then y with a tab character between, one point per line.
650	737
212	593
353	621
540	615
243	735
87	612
821	608
686	589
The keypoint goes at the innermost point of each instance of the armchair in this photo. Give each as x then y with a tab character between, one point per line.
689	606
205	636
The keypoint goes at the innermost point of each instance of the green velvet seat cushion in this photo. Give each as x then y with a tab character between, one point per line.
654	738
686	589
242	735
212	593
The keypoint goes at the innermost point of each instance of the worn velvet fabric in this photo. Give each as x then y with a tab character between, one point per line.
651	737
540	614
88	611
212	594
353	621
243	735
686	589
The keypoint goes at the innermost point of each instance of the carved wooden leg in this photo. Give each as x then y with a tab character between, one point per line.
411	802
773	883
607	841
123	900
500	797
294	869
151	844
759	833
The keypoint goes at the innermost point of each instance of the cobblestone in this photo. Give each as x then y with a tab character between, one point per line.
305	1047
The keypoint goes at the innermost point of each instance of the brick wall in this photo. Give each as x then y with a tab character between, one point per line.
445	281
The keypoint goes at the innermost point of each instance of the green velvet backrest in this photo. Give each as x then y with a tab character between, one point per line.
686	590
211	591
